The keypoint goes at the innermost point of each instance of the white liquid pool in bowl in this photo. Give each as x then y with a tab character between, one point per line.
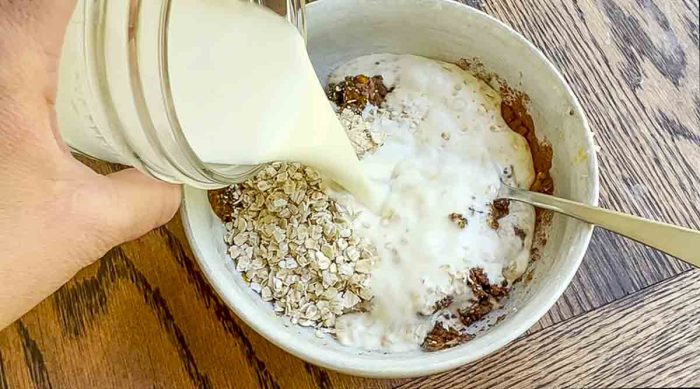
339	31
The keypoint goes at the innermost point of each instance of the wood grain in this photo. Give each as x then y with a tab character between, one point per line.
144	316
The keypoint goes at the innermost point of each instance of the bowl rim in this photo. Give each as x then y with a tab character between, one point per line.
297	348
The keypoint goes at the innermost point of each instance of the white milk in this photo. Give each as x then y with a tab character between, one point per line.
244	89
246	93
250	95
446	143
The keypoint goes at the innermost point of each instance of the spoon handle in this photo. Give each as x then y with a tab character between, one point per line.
682	243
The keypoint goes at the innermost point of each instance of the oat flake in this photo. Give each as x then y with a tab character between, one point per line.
296	247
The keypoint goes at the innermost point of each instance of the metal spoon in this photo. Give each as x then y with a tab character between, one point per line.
680	242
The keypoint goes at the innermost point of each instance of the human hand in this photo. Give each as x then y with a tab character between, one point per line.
56	215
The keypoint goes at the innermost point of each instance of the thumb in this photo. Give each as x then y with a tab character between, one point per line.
138	204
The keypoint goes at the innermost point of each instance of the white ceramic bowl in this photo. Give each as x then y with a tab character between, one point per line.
340	30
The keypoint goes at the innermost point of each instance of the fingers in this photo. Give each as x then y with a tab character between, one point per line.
136	205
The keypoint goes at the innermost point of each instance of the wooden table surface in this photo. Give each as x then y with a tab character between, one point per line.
144	316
